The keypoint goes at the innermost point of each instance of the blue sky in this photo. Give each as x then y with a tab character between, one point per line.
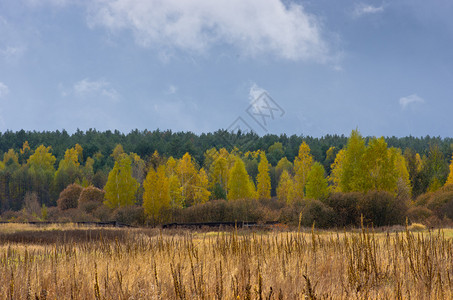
325	66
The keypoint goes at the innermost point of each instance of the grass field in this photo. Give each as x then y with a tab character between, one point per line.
70	262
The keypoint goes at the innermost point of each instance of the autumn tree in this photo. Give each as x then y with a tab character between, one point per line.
336	171
263	181
176	199
41	170
317	186
187	174
404	188
69	169
302	165
450	175
201	192
285	188
239	184
218	163
379	163
156	194
121	187
352	169
24	153
8	167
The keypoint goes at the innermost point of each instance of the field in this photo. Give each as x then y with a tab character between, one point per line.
74	262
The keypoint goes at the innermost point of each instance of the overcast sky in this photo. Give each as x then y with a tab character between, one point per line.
273	66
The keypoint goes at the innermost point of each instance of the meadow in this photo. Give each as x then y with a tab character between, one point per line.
78	262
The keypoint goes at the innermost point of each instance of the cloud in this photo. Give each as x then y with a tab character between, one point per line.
254	93
172	89
254	26
410	100
4	90
362	9
101	87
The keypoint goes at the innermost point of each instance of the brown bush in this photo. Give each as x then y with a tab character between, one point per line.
346	209
418	214
69	197
382	208
131	215
91	194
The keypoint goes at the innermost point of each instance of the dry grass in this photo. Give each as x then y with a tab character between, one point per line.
91	263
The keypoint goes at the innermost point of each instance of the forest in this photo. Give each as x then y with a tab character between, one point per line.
156	177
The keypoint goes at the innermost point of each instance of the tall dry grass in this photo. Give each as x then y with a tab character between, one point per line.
88	263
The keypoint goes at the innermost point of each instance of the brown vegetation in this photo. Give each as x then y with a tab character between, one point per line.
89	263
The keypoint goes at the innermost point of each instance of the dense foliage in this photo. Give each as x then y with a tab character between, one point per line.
162	176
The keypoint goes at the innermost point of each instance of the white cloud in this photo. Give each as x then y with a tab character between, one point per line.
101	87
410	100
362	9
4	90
172	89
253	26
254	93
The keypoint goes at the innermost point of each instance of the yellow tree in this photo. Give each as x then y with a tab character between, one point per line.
117	152
11	156
156	194
201	193
263	180
450	175
302	165
174	184
317	186
68	170
88	172
25	153
285	188
219	168
41	170
239	184
379	163
121	187
403	182
336	170
187	174
352	167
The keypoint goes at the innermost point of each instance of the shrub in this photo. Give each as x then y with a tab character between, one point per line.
103	213
91	194
319	213
418	214
69	197
345	206
382	208
89	206
131	215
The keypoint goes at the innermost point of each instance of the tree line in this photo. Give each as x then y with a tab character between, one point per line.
162	174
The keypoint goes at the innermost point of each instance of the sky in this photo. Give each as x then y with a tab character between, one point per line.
272	66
